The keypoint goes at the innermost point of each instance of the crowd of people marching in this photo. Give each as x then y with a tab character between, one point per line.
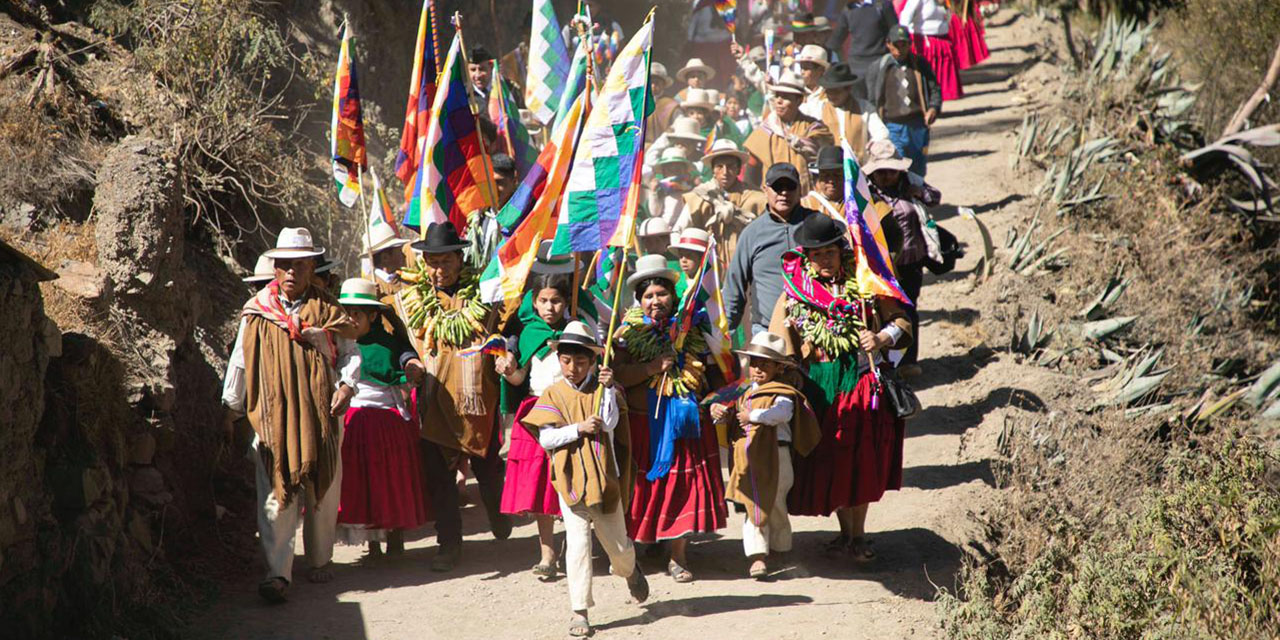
603	402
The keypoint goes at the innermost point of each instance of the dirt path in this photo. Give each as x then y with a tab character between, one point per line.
967	389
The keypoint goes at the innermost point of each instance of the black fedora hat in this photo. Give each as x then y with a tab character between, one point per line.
441	237
479	54
819	230
837	76
830	158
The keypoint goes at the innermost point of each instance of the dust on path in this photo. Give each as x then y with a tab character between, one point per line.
967	390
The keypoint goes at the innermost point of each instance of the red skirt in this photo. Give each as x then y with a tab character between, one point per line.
940	53
382	471
528	489
970	40
689	499
857	460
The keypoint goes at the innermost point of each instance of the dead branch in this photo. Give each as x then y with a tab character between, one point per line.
1269	80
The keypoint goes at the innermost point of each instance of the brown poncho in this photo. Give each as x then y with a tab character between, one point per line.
585	472
753	481
289	365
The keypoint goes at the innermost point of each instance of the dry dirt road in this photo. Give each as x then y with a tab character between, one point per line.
968	389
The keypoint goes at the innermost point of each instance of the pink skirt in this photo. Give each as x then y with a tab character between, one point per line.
940	53
382	484
857	460
528	488
970	40
689	499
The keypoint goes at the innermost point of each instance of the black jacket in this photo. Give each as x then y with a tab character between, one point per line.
867	26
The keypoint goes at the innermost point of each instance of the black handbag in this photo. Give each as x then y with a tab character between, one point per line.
951	251
905	402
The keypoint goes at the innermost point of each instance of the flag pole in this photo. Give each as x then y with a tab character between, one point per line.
368	235
489	181
577	270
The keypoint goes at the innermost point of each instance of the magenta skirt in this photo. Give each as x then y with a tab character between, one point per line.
970	40
382	471
528	488
940	53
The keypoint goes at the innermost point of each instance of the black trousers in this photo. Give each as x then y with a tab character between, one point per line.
911	277
441	477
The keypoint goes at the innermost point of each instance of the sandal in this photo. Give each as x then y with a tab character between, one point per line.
860	549
579	627
759	570
679	573
272	590
838	545
322	574
544	570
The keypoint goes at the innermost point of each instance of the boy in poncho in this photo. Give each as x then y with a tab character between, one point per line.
764	425
575	421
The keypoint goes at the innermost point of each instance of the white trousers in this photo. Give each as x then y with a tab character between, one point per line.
611	530
775	535
278	524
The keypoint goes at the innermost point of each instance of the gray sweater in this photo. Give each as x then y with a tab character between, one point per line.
758	260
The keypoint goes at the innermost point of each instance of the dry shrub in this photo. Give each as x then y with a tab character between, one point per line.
45	159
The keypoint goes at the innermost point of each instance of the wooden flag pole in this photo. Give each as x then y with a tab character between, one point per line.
368	235
577	271
490	184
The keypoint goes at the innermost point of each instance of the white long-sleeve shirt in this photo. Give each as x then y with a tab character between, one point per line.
233	384
552	438
925	18
778	415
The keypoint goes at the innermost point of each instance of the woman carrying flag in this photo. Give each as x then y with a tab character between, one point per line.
837	331
661	361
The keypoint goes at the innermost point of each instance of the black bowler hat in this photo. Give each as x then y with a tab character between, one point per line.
782	170
837	76
479	54
819	230
829	158
441	237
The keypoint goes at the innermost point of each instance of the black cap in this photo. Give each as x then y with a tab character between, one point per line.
829	157
819	230
503	163
441	237
782	170
898	33
479	54
837	76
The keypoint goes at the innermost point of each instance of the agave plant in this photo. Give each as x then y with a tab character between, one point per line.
1252	193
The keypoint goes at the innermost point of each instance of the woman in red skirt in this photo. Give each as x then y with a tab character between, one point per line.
382	490
967	33
678	488
831	324
930	24
528	490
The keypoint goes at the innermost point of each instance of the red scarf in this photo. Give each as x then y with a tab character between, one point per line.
266	303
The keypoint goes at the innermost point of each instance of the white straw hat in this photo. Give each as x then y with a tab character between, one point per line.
693	239
294	242
815	54
882	154
653	227
653	265
547	263
788	83
383	237
768	345
360	293
263	272
579	334
700	98
724	147
695	64
686	128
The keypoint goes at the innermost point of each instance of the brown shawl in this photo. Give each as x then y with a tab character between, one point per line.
289	383
585	471
771	147
753	480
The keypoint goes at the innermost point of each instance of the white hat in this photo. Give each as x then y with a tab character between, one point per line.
674	154
768	345
788	83
263	272
653	265
724	147
382	237
821	23
359	292
813	53
653	227
547	263
882	154
693	239
659	70
686	128
577	333
294	242
700	98
327	266
695	64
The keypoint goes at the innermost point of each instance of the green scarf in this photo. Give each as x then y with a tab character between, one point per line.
536	334
380	357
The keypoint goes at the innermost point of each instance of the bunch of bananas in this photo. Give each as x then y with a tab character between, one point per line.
431	321
834	334
679	382
646	341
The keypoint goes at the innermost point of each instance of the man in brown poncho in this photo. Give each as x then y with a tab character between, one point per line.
786	134
724	205
458	403
292	371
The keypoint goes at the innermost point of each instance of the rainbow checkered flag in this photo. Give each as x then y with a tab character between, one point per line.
548	63
451	180
599	208
422	92
728	9
875	267
346	132
512	134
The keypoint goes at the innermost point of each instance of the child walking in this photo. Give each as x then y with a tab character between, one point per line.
382	491
576	421
764	425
